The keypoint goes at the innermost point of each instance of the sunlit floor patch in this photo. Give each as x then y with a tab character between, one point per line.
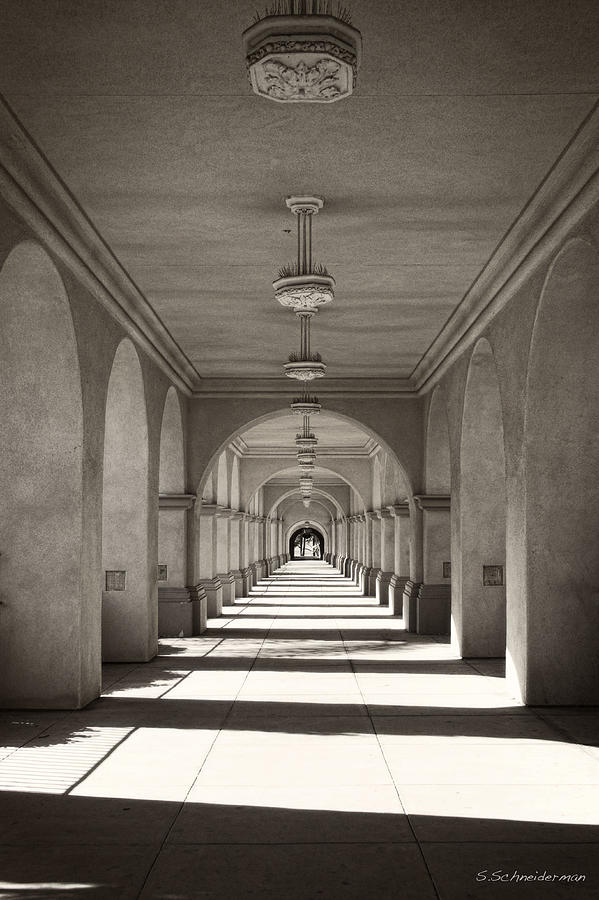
305	730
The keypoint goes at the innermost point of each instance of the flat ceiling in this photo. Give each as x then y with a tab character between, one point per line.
144	109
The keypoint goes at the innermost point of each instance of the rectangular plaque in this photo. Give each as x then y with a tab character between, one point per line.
446	570
162	572
115	579
492	576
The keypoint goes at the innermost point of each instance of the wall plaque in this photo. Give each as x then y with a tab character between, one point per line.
492	575
115	579
162	572
446	570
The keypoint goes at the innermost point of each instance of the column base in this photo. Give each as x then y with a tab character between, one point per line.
396	588
382	587
214	596
410	597
228	584
238	579
175	612
358	575
246	575
371	581
433	609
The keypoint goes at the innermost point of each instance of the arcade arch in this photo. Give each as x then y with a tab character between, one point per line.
129	598
479	555
49	646
555	630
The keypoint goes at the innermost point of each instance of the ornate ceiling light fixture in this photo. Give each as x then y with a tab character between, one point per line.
303	51
304	287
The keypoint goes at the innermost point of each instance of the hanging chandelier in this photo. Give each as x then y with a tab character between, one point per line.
304	287
303	51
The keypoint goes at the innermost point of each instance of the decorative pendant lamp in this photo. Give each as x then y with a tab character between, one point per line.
304	287
303	51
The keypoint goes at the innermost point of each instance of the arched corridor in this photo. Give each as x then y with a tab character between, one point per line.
299	450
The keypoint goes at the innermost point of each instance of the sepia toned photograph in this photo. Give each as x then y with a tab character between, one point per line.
299	449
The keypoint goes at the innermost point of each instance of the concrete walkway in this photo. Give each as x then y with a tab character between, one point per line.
304	747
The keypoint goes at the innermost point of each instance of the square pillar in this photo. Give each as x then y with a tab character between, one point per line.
387	555
180	613
433	604
401	557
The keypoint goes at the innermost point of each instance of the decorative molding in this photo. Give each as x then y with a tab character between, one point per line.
37	194
432	501
176	501
270	388
302	58
400	510
561	201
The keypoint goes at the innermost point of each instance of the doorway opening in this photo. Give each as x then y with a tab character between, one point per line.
306	543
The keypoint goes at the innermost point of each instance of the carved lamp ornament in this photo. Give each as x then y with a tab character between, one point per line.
303	51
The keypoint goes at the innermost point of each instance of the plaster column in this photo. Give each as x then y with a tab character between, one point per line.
272	528
412	586
181	612
401	556
235	541
280	548
244	555
433	604
253	548
350	546
208	580
367	570
375	563
261	547
361	554
387	534
223	567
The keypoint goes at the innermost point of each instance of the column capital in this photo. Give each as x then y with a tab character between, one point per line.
371	514
433	501
176	501
399	510
383	513
223	512
207	509
236	515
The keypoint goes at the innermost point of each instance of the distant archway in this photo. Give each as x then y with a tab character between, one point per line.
306	543
129	601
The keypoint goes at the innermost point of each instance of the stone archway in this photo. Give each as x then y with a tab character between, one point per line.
129	599
49	619
554	646
479	519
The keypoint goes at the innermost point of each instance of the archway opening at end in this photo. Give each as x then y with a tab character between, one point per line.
306	543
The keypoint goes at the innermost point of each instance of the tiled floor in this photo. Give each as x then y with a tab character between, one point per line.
304	747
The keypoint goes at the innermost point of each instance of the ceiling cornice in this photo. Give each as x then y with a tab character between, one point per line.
38	195
267	388
321	452
564	197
